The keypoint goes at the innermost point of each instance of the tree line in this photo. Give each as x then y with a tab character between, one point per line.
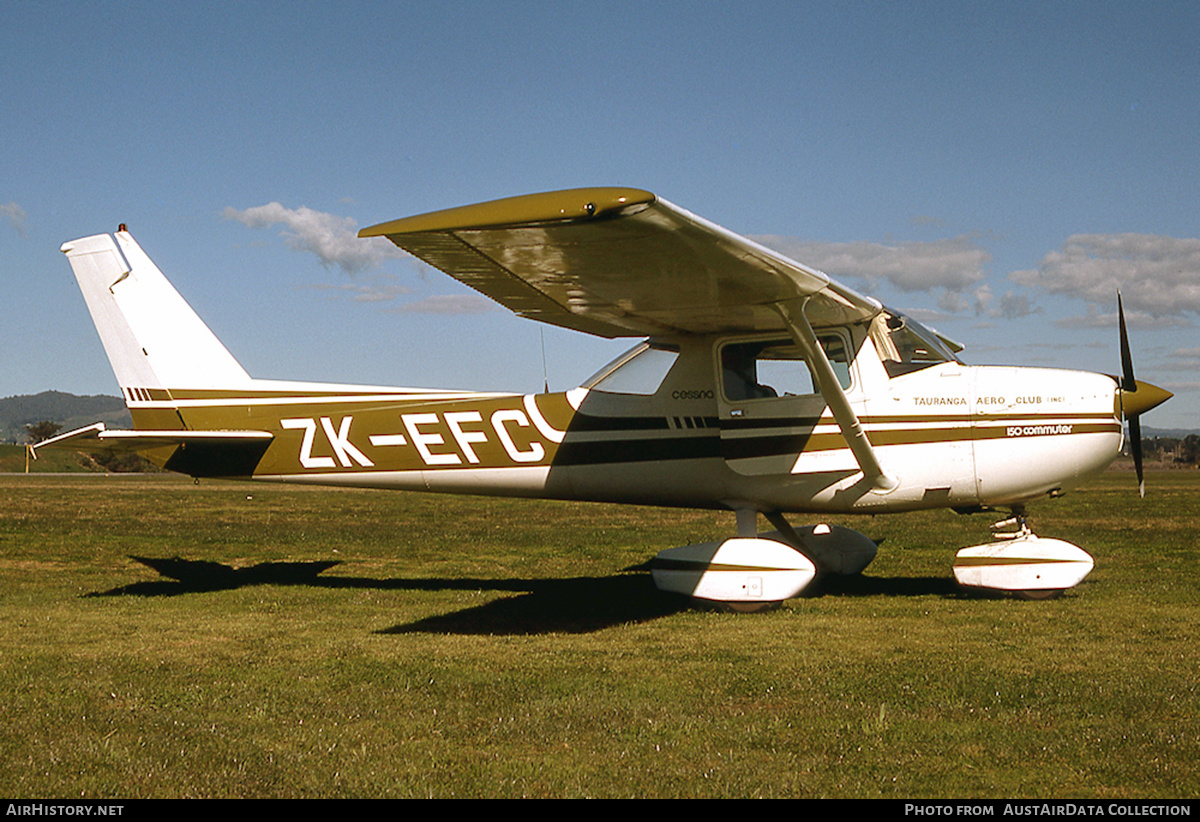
1183	451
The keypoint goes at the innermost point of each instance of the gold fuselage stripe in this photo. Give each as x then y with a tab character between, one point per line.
361	430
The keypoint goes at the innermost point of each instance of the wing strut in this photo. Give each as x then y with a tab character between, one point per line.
793	314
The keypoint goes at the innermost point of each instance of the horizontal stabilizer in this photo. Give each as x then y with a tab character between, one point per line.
98	439
196	453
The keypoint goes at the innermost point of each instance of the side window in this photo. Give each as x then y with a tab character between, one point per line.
776	368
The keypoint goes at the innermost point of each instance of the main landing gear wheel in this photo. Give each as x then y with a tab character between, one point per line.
750	607
1039	596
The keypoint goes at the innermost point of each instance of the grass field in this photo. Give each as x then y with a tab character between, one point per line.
304	642
14	460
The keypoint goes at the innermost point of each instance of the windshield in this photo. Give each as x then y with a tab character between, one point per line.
905	346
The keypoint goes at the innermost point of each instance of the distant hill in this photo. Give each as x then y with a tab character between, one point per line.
68	410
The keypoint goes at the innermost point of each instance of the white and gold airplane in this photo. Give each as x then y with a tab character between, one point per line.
762	387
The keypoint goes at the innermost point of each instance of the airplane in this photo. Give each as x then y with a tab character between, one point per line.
759	385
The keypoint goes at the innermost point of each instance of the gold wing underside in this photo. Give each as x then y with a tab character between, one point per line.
619	262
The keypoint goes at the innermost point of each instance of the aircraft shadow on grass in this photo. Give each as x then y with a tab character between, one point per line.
573	605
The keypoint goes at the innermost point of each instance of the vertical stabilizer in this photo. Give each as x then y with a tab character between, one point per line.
152	336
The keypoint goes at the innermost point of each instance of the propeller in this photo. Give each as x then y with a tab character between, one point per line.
1136	398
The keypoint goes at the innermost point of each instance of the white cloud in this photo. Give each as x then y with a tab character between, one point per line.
1182	359
379	289
1159	277
952	269
15	216
953	302
1133	319
1014	305
447	304
331	238
953	264
1181	387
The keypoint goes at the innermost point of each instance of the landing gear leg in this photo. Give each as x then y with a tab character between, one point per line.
747	523
1017	521
834	549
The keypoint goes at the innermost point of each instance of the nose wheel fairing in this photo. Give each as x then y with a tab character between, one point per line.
1020	562
1029	565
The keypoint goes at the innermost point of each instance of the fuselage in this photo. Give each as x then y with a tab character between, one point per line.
678	422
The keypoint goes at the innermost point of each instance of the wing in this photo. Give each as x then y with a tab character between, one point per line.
619	262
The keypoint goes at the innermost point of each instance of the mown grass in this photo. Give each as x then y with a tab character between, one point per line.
475	647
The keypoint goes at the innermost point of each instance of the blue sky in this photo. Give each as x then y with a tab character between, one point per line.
996	169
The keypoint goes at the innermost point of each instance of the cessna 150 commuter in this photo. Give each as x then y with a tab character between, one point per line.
762	386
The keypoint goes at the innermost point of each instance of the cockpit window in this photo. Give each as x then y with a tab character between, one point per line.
640	370
905	346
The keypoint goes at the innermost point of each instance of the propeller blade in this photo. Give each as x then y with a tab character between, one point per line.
1133	405
1128	383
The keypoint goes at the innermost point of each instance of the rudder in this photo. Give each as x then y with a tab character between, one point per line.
152	337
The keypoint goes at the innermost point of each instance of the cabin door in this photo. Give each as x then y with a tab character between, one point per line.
769	403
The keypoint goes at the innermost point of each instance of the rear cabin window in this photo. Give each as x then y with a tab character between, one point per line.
640	370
